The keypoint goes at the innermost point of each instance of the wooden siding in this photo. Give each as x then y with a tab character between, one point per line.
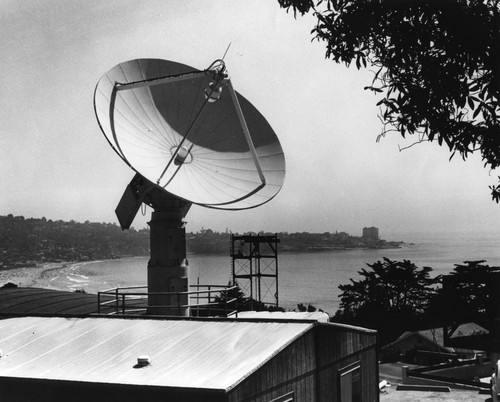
339	347
310	367
290	370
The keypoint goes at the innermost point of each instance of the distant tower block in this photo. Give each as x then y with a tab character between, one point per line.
371	234
255	267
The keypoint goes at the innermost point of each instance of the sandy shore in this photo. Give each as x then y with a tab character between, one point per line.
38	276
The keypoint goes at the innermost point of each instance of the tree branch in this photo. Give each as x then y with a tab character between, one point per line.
415	143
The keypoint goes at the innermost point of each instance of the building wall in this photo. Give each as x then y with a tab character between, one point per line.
370	234
290	370
311	367
341	348
36	390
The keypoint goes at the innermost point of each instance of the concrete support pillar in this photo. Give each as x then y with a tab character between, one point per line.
404	374
168	266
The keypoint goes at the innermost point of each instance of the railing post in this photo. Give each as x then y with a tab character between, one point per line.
123	303
98	302
117	302
225	305
198	296
178	303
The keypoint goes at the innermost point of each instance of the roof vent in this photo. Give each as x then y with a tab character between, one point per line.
142	361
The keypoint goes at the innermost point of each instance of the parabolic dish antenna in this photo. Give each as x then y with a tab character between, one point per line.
188	132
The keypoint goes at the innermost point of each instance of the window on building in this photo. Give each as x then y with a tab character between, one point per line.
284	398
350	383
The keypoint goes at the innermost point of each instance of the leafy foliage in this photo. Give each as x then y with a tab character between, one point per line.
242	302
397	296
233	293
466	295
396	285
391	297
306	309
437	65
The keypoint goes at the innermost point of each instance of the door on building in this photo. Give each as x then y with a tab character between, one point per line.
350	383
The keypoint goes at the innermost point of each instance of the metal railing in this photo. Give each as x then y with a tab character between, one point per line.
205	301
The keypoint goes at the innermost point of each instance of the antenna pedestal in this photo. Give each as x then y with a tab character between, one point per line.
168	266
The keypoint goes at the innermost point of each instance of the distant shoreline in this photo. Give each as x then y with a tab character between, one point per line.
315	249
29	276
48	266
38	275
333	248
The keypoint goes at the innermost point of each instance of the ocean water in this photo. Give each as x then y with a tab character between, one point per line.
309	278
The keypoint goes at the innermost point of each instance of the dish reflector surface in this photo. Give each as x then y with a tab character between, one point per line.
157	117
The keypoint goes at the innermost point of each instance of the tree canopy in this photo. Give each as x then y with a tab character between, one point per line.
397	296
391	297
437	66
466	295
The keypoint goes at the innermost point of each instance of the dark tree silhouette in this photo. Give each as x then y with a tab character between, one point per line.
235	298
466	295
437	65
235	293
391	297
303	308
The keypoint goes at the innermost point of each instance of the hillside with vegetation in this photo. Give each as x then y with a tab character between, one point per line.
27	242
207	241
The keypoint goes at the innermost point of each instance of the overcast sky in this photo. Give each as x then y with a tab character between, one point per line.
56	163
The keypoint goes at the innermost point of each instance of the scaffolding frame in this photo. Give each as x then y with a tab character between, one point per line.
254	266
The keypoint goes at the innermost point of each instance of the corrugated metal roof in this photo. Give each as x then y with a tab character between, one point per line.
469	329
183	353
36	301
284	315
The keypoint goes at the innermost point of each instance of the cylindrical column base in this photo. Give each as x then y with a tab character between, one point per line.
173	280
168	267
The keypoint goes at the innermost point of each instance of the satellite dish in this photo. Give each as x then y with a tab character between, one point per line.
191	140
188	132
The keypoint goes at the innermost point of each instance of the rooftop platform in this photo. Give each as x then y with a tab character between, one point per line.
19	302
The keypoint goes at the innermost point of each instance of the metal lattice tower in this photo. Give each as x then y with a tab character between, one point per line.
254	265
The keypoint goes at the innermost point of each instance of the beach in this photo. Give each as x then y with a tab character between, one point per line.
38	276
